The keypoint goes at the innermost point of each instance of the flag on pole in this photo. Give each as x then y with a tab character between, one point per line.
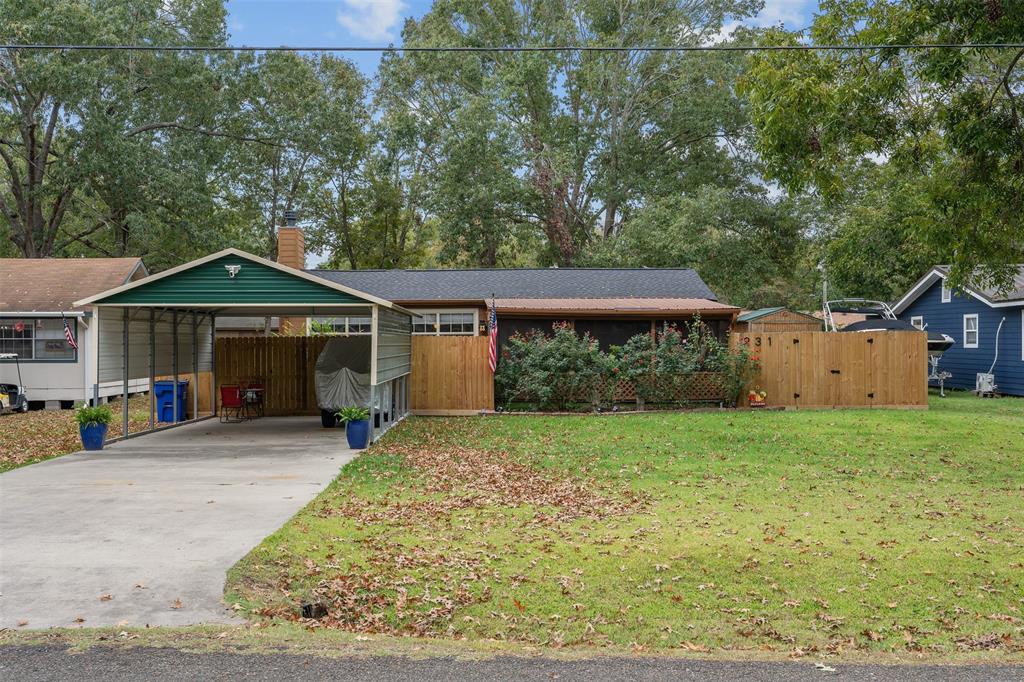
492	344
68	336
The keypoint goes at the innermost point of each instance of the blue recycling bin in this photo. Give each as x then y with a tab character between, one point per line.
164	392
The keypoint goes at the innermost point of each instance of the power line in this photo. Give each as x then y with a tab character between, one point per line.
556	48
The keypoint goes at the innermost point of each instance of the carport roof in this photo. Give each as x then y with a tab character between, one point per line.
239	282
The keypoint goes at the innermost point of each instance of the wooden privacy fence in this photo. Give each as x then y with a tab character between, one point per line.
450	375
830	369
285	364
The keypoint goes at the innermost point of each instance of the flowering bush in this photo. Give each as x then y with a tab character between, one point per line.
672	367
552	371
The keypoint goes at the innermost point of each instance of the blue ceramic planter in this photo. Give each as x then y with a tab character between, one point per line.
357	433
93	435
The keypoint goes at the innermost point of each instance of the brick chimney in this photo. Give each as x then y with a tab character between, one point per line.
291	251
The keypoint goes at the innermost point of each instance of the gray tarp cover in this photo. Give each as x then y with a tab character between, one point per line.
343	373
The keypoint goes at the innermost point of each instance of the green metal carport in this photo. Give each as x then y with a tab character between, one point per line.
163	325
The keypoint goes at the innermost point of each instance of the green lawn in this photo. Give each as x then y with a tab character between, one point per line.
818	532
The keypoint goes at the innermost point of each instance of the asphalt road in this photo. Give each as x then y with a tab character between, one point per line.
30	663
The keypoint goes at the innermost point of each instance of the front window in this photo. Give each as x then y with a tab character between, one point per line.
917	321
970	331
343	325
36	338
445	322
359	325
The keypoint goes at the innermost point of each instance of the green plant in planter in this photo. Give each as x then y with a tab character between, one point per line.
352	413
93	416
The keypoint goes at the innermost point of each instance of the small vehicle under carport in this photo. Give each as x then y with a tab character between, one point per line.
342	376
12	396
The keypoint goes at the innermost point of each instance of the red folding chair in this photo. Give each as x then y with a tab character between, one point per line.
231	404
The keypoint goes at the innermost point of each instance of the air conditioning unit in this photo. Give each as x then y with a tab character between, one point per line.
985	383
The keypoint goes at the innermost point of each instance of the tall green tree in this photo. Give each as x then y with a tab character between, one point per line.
109	151
585	134
313	112
949	118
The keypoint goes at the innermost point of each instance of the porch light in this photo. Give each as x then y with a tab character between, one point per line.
233	270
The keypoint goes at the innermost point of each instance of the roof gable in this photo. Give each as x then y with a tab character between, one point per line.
208	281
989	297
52	285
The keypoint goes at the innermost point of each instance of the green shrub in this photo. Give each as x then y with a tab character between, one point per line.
93	416
552	371
352	413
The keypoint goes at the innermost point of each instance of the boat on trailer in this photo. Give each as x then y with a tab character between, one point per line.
880	318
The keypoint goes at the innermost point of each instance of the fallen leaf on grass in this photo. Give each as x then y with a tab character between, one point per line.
690	646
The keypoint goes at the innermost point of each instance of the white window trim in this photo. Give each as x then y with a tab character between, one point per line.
947	294
976	330
35	338
342	322
437	324
917	321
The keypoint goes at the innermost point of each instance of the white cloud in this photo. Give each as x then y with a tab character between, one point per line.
371	19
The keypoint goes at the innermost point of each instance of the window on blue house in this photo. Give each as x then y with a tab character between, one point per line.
971	331
917	321
947	295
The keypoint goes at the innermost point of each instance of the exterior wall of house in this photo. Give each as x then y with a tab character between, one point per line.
52	381
965	363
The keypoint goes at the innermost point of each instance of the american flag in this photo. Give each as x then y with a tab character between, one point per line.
492	344
68	336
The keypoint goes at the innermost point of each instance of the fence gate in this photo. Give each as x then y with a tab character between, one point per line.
450	375
828	369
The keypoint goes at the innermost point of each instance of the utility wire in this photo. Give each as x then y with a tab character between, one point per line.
557	48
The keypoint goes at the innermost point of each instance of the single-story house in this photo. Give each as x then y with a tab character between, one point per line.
777	319
611	304
986	325
36	296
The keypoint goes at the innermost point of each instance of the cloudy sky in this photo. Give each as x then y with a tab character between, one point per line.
379	22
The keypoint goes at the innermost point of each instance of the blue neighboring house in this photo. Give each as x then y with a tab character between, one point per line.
972	316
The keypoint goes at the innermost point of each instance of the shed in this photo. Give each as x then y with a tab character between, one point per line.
778	319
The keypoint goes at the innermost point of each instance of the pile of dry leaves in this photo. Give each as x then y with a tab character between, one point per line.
41	434
409	590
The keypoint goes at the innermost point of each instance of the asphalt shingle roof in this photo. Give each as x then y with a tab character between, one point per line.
404	286
1016	292
54	284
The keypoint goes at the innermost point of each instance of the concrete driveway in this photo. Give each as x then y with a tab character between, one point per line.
144	531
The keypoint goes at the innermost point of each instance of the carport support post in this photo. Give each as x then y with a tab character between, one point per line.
174	364
372	420
152	369
124	376
195	368
213	364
